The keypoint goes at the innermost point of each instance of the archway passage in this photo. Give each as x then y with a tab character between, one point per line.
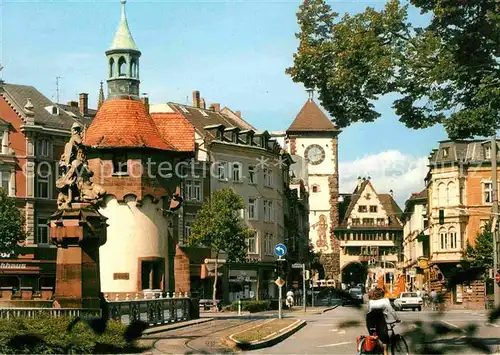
354	273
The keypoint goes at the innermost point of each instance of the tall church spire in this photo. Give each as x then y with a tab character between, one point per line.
123	62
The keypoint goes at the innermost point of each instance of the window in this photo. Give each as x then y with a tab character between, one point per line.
236	171
450	194
192	190
268	177
111	66
368	221
356	221
487	192
446	152
55	110
42	231
443	238
268	244
133	69
44	147
462	194
373	209
252	208
252	174
452	238
380	221
120	164
268	211
5	181
152	274
43	181
122	67
252	244
222	170
487	152
362	209
187	231
315	188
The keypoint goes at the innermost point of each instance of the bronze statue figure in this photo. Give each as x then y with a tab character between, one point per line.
75	183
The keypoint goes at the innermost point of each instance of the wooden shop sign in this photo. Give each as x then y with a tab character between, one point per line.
121	276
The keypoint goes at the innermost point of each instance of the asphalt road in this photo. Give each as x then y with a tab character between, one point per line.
329	334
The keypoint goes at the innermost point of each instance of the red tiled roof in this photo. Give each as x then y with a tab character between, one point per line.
124	123
175	129
311	118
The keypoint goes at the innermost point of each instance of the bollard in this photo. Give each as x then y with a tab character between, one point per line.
186	295
168	294
239	307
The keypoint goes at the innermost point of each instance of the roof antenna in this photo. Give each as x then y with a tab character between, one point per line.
1	80
57	88
311	94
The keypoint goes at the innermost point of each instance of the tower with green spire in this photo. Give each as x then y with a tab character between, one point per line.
123	62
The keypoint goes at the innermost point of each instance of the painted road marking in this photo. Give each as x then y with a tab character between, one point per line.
451	324
331	345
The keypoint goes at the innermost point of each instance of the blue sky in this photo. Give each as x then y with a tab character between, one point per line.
234	52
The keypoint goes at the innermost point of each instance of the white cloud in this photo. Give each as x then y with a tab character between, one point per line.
389	170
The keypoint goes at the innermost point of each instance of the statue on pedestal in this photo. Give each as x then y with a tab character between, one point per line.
75	183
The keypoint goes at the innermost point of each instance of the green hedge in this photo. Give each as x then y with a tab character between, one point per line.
253	306
45	335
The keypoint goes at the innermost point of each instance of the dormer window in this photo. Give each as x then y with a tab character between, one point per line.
120	164
446	152
487	152
53	110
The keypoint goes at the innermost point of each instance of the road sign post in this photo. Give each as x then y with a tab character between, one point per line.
304	298
497	277
280	250
280	282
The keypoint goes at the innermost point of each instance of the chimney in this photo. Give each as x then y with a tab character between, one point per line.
238	113
196	99
391	193
202	103
73	103
145	101
84	104
215	107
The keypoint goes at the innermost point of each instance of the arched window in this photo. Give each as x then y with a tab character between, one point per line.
443	239
133	68
441	194
450	194
315	188
452	238
111	67
122	67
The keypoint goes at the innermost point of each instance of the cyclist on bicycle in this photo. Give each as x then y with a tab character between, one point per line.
380	313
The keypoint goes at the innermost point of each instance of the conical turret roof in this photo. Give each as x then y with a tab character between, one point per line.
123	38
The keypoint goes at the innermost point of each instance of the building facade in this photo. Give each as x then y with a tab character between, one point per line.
460	197
314	137
370	235
416	247
33	131
133	157
230	153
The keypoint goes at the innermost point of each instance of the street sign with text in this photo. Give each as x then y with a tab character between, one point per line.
297	266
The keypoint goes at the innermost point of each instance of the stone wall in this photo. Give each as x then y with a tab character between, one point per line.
181	269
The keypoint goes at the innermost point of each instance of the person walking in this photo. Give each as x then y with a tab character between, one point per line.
434	299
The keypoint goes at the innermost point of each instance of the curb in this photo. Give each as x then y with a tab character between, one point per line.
167	327
330	309
254	345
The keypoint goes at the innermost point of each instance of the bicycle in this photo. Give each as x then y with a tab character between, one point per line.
397	343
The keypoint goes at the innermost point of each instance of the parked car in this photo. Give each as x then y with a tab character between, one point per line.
408	300
353	296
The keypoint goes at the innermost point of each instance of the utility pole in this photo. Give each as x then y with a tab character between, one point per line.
494	192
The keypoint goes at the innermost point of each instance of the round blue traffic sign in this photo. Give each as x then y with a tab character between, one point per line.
280	250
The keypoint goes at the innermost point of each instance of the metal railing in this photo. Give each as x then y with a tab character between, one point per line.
153	311
8	313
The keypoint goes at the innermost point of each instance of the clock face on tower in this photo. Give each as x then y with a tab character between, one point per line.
315	154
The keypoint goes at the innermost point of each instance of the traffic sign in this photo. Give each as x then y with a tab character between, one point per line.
280	250
297	266
280	282
497	278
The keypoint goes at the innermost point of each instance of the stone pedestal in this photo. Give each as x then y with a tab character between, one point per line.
78	233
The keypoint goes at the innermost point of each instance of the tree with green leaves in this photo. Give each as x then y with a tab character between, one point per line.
481	254
11	224
219	226
447	72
